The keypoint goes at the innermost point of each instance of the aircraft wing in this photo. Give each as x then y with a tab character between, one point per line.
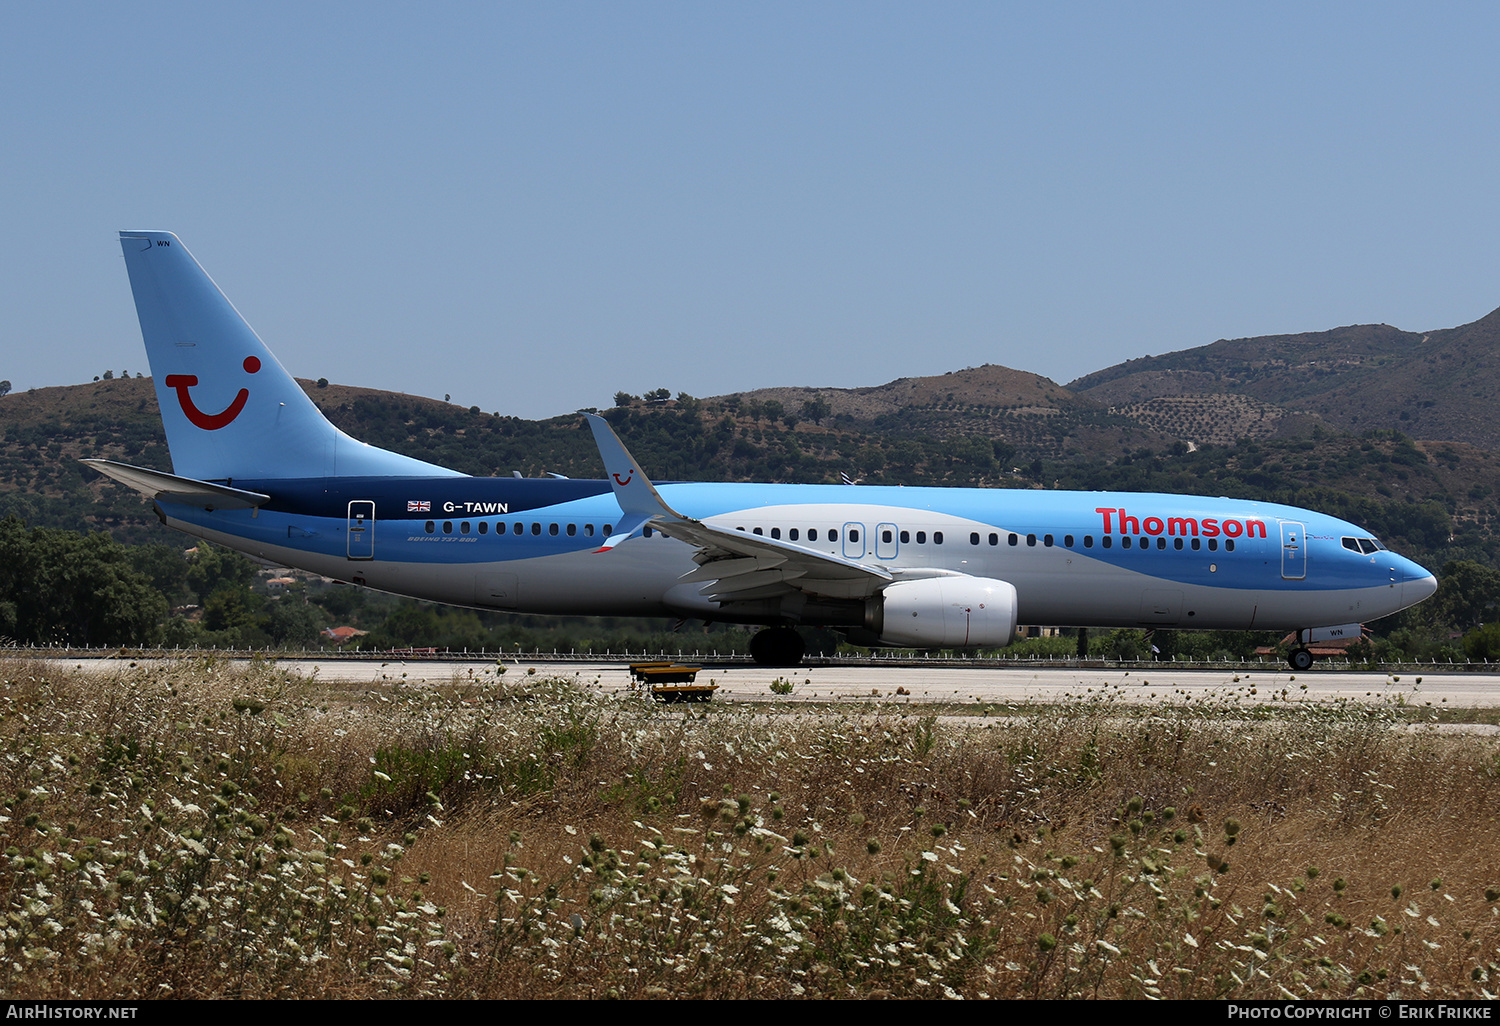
733	565
736	566
154	484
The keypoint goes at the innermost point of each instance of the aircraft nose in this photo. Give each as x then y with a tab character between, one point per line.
1417	582
1415	589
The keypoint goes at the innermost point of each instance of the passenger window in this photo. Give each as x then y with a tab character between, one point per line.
776	532
1124	542
520	528
792	534
994	538
905	537
885	536
588	529
1088	541
1161	543
1106	541
648	532
757	530
1047	540
974	538
1068	540
484	527
552	530
1031	541
854	536
1197	543
1213	545
921	537
812	534
572	530
431	527
1177	544
1015	539
463	527
607	530
937	537
536	528
833	535
1229	545
447	527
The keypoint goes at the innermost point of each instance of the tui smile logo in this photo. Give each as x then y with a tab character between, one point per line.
210	421
628	475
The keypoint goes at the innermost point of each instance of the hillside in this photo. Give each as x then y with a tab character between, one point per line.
1036	416
1282	417
1435	385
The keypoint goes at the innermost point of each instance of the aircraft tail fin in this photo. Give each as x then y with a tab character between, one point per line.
230	409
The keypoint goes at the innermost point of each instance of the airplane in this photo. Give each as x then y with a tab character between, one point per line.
256	467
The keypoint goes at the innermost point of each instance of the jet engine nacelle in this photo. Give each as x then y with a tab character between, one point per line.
945	612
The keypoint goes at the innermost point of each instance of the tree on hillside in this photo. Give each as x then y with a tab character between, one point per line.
294	622
816	409
215	569
4	388
59	587
1468	594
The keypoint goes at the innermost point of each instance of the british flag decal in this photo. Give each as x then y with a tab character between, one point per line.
419	506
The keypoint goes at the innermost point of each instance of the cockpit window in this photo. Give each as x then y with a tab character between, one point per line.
1364	546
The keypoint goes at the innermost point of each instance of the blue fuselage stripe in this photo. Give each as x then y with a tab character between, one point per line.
313	515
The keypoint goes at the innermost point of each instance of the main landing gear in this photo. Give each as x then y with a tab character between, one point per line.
777	646
1300	659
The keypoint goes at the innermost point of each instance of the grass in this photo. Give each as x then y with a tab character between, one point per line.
195	830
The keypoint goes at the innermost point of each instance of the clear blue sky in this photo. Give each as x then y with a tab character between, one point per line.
532	206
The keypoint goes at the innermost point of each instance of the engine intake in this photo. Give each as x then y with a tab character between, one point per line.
945	612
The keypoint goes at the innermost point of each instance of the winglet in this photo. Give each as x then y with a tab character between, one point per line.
637	496
633	489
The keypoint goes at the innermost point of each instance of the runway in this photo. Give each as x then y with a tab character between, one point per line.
983	685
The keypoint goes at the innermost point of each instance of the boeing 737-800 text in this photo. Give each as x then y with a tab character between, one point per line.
256	467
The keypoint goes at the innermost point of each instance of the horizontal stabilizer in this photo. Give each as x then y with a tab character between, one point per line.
155	485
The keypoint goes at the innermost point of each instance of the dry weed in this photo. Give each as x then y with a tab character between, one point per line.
196	830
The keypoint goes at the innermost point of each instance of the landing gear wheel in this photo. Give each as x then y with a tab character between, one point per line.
1300	659
777	646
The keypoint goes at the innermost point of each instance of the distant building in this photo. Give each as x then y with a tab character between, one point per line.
339	635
